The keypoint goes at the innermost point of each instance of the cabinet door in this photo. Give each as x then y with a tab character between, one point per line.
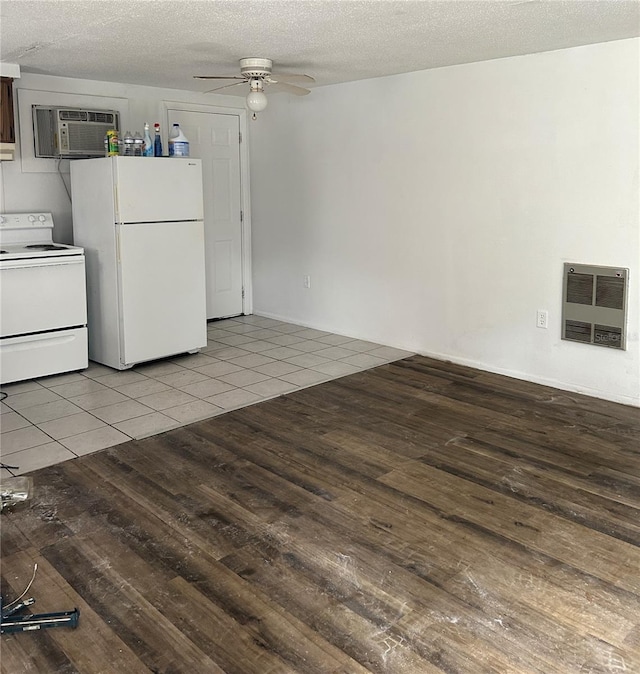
7	128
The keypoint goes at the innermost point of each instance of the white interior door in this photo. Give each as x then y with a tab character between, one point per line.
215	139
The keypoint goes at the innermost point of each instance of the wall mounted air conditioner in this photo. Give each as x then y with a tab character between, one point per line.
71	133
594	305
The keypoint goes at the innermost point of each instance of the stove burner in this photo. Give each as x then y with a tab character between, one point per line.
45	246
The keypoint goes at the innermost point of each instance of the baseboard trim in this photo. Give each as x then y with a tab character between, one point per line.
516	374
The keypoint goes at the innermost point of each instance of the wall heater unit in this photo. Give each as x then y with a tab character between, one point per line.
594	305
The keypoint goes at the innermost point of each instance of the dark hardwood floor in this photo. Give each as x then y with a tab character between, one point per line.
417	518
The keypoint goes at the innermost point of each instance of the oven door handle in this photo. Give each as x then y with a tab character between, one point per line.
40	262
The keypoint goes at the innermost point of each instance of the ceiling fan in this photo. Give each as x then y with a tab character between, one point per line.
257	72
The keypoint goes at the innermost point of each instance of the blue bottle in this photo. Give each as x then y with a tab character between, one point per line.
157	141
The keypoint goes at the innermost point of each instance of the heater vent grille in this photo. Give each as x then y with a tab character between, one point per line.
607	335
580	288
610	292
578	330
594	305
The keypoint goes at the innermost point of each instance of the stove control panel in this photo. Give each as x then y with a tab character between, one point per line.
26	220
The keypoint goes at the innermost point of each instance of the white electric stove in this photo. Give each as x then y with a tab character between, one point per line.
43	300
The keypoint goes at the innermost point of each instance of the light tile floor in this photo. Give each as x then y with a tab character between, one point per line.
247	359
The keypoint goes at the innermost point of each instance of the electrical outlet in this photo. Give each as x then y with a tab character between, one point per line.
306	281
542	320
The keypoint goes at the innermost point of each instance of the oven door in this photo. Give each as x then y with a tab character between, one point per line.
43	294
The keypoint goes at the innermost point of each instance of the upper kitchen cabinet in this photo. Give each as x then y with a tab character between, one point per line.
7	125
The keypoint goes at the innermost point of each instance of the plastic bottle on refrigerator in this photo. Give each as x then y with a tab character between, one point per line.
157	141
178	143
128	144
138	144
148	143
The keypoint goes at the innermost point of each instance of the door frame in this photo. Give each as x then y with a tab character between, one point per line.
245	199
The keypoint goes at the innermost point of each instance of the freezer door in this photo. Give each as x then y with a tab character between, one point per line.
162	290
158	189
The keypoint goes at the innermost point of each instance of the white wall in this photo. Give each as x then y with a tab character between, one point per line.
30	184
434	210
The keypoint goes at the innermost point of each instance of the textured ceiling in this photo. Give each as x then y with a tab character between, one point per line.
164	42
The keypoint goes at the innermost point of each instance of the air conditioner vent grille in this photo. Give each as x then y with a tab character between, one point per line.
85	136
73	115
102	117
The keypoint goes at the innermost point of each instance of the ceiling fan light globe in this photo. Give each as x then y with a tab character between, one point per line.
256	101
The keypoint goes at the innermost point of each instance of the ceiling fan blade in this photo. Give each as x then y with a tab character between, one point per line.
226	86
292	79
275	87
218	77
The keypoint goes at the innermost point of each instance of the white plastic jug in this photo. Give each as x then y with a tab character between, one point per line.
178	143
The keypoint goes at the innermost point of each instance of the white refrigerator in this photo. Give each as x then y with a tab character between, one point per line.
140	221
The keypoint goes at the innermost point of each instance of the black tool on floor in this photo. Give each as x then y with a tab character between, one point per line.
9	622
